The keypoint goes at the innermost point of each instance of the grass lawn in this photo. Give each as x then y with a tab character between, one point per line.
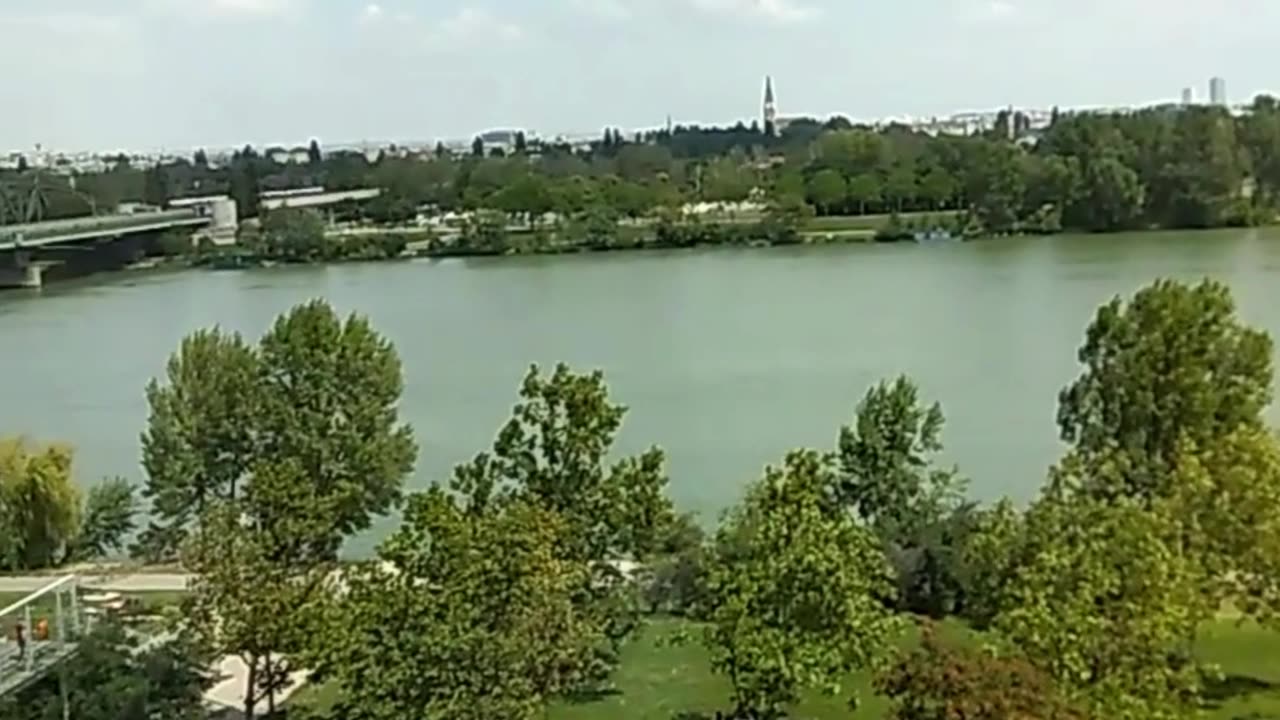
660	681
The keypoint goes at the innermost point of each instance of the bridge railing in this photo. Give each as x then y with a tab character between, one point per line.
39	631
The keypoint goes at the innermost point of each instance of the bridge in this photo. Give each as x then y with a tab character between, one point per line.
28	249
41	631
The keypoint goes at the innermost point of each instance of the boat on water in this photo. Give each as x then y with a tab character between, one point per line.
932	236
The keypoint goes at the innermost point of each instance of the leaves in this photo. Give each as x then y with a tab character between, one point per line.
109	512
1173	364
470	615
39	504
794	591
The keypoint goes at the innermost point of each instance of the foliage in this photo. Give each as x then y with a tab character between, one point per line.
198	443
244	602
552	455
1105	601
470	614
793	592
109	678
886	475
943	681
316	398
39	504
988	558
107	519
295	235
677	579
1172	365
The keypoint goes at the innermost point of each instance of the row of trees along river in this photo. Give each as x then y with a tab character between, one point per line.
1169	167
500	591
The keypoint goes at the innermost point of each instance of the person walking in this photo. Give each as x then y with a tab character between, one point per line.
20	635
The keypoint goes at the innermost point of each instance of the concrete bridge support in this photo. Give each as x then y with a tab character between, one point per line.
19	270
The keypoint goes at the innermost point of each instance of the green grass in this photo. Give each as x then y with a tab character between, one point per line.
663	681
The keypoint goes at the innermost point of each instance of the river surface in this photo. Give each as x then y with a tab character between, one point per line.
727	358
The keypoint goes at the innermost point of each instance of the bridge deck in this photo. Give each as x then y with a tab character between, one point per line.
16	675
58	231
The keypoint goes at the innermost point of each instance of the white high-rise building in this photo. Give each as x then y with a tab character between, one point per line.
1188	96
1218	91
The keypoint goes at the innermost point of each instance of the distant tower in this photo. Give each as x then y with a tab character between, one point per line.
1188	96
1218	91
770	108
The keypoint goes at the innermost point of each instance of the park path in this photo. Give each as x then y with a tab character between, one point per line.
120	583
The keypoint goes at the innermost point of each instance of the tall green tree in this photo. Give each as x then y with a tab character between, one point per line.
794	592
199	440
107	520
887	475
827	190
1173	364
554	455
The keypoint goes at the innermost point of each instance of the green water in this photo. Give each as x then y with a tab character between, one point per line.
726	358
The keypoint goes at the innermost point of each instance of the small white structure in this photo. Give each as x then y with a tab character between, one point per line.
221	209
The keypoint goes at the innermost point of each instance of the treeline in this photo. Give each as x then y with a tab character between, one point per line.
520	579
1170	167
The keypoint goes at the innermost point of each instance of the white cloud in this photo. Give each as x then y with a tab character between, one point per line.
371	13
604	9
780	11
471	26
226	8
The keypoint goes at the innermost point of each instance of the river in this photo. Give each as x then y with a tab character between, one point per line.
727	358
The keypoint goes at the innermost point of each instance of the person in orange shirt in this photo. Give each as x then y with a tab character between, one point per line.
42	630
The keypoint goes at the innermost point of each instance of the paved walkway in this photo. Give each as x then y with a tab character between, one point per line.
122	583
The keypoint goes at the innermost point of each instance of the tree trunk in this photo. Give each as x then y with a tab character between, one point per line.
271	689
250	687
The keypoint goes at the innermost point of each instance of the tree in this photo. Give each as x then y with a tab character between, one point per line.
296	235
198	444
1106	604
886	475
477	147
107	519
243	181
901	185
110	678
936	187
1172	365
157	186
827	190
794	591
996	184
317	399
248	603
327	401
521	144
39	504
200	159
944	680
864	190
552	455
468	614
314	156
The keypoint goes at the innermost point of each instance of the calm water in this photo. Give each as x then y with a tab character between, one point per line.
726	358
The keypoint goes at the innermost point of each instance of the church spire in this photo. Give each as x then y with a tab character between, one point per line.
770	108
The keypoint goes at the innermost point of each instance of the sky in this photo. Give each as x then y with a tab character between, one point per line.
180	74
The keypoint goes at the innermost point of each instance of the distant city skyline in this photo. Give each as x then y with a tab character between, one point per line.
149	74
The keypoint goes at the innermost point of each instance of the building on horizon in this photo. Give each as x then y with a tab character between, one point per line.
1218	91
770	108
1188	96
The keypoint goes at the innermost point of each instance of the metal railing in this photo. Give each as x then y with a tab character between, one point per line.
40	631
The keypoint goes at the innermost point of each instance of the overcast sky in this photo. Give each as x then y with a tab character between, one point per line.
141	74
